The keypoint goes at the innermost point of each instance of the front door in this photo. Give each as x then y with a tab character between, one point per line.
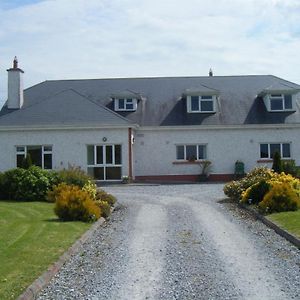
104	162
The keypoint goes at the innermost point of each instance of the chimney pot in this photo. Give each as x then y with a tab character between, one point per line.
15	63
210	73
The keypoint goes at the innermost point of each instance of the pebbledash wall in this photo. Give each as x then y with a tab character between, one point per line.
155	150
69	146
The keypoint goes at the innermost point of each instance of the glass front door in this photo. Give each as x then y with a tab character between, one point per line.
104	162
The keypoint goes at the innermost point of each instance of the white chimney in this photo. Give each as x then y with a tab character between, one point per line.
15	86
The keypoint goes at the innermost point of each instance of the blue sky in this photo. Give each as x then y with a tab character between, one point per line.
59	39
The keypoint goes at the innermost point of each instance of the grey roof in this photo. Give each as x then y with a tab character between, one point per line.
162	100
66	108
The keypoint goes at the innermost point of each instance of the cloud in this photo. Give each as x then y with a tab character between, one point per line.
56	39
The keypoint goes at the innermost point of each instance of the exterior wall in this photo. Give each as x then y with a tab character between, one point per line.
68	146
155	151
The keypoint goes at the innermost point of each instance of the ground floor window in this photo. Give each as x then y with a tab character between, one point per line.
104	161
40	155
190	152
268	150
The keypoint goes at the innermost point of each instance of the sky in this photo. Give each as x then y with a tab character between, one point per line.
63	39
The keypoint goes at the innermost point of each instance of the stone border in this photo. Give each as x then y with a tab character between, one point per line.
41	282
288	236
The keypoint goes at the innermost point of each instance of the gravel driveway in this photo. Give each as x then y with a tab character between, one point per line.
179	242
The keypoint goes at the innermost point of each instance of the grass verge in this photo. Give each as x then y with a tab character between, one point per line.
31	239
289	221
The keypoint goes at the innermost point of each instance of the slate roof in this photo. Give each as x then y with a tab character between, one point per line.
162	101
64	108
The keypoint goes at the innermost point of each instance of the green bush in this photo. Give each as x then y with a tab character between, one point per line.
101	195
277	166
104	207
289	167
281	197
74	204
74	176
234	189
27	184
27	162
256	192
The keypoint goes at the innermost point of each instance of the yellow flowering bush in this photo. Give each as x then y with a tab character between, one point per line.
91	188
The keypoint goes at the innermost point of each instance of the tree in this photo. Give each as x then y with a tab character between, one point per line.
277	165
27	162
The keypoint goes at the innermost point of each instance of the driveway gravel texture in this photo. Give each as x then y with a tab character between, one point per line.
179	242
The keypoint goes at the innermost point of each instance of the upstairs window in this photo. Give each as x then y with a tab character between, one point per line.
280	102
201	104
125	104
190	152
267	151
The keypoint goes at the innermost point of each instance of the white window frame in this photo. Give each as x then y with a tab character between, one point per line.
279	96
197	152
24	152
127	101
104	164
269	150
200	99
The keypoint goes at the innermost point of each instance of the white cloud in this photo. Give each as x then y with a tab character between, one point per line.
58	39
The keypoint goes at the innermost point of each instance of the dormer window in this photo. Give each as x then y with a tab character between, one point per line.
280	102
125	104
201	104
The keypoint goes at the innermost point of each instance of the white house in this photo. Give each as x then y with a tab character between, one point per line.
150	128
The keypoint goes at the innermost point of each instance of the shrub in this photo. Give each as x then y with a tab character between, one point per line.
282	197
74	176
91	188
256	192
101	195
27	184
27	162
104	207
289	167
54	193
277	166
74	204
234	189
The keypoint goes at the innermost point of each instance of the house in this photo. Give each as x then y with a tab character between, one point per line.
150	128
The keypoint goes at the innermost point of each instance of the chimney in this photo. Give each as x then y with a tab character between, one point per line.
15	86
210	73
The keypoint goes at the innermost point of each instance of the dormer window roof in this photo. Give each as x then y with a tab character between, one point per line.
279	98
201	100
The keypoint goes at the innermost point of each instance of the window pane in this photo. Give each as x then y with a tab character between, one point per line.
109	156
96	173
129	100
118	155
90	155
195	103
207	106
274	148
48	148
121	104
20	149
129	105
35	154
288	101
20	158
276	104
99	153
48	161
191	152
202	152
179	152
286	152
264	152
113	173
206	97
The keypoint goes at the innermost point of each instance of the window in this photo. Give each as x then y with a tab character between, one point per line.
104	162
190	152
125	104
280	102
201	103
40	155
267	150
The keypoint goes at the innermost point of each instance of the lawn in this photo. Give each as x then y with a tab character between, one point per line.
289	221
31	239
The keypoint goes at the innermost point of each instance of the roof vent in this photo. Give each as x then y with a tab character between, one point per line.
210	73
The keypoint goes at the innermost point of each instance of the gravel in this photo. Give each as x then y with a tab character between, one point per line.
179	242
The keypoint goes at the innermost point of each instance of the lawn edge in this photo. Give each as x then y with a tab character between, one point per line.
282	232
42	281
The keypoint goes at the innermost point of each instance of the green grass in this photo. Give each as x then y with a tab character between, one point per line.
31	239
289	221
